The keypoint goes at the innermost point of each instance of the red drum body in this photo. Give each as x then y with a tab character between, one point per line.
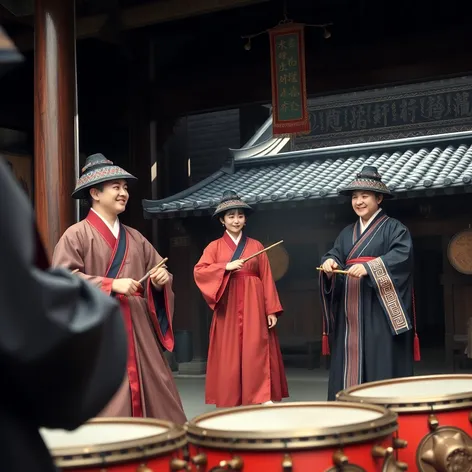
294	437
434	418
118	445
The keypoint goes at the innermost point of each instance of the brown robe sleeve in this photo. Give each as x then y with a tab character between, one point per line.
160	302
210	276
62	342
69	253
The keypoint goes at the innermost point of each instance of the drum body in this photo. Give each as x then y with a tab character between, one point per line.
298	437
118	445
434	418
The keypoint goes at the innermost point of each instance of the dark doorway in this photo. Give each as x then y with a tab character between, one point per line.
428	291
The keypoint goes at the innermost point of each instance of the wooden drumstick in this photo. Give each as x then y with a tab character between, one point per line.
336	271
157	266
75	271
263	250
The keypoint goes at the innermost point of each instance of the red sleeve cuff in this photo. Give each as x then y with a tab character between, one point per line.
106	285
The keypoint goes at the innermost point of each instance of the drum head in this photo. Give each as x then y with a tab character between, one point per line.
291	425
441	392
110	440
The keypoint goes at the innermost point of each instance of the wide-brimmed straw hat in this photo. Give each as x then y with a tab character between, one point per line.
98	169
231	201
367	179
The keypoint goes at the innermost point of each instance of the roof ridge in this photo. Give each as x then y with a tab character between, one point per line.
424	167
377	146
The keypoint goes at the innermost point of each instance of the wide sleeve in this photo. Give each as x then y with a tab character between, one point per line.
337	251
63	345
69	253
211	276
160	302
271	297
391	276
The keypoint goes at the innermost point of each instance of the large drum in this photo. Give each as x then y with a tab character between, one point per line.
119	445
434	418
298	437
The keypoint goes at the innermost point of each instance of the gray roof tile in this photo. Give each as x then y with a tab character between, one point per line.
304	175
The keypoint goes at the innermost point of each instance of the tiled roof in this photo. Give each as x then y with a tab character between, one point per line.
439	164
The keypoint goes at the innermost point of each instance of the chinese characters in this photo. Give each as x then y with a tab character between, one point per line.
401	112
287	76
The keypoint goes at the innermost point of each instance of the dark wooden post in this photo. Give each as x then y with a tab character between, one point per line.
54	117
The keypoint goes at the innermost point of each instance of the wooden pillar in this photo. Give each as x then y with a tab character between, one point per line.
54	117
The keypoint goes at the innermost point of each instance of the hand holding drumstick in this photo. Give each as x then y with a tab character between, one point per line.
330	266
234	265
159	276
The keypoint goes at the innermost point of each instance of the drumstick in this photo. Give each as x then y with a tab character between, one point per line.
263	250
157	266
336	271
75	271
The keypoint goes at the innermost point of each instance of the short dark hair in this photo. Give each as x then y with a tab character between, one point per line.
242	210
239	210
376	194
88	201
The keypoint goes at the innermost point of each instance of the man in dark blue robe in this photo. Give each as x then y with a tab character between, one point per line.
368	312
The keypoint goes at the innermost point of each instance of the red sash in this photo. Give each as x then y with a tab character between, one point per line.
359	260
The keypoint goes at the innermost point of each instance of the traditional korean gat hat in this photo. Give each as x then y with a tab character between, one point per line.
231	201
98	169
367	179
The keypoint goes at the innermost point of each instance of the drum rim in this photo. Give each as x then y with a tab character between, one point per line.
411	404
285	439
116	452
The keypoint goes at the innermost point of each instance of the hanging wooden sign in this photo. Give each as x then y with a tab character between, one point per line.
459	252
289	101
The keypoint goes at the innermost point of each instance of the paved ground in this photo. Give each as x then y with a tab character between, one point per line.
304	385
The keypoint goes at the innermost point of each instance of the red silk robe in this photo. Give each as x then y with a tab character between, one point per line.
244	360
149	389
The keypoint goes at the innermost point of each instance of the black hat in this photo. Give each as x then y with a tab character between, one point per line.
231	201
98	169
367	179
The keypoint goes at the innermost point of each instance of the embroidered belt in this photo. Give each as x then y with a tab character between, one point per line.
359	260
244	273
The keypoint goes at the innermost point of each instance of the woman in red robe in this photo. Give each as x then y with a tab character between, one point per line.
244	360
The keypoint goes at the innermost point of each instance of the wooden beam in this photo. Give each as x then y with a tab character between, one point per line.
147	14
54	117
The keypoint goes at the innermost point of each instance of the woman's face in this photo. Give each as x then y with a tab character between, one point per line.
365	203
234	221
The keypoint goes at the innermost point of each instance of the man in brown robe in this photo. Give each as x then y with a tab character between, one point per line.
114	257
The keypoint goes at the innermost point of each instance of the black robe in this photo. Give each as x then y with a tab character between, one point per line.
63	344
368	320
